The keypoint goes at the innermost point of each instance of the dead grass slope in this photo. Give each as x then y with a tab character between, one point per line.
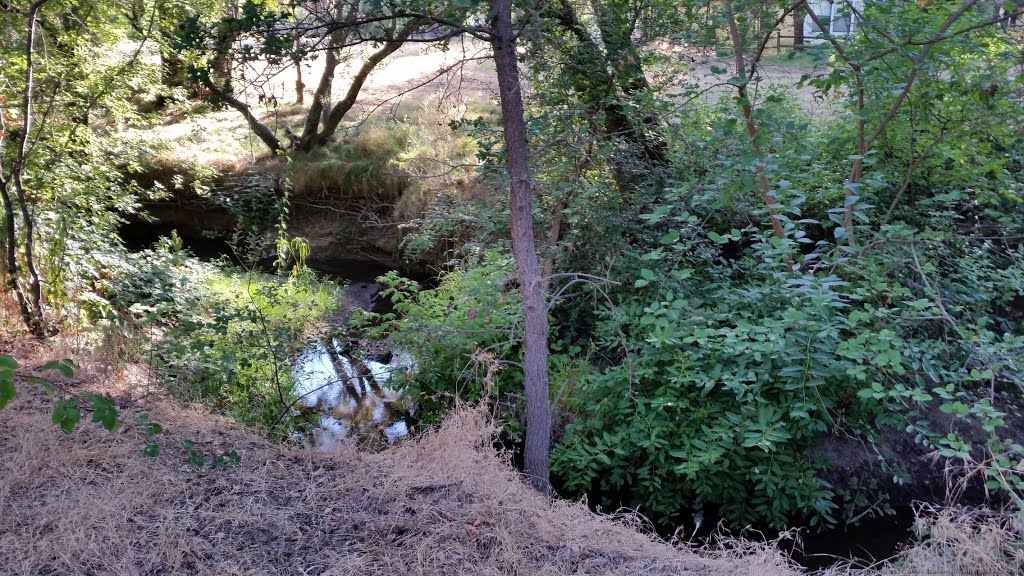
88	503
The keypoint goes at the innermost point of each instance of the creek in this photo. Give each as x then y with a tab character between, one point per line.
350	392
342	383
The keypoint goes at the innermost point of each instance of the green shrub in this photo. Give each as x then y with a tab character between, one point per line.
217	334
461	334
723	373
716	388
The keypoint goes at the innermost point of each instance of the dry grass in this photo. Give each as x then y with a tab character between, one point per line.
444	503
361	169
958	541
88	503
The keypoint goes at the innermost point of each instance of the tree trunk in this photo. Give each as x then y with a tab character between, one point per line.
798	29
535	336
30	299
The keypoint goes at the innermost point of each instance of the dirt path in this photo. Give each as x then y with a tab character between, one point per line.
776	75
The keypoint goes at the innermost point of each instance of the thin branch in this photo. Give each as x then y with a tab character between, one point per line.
340	109
771	32
748	116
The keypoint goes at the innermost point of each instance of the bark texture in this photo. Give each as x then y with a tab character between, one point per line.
535	337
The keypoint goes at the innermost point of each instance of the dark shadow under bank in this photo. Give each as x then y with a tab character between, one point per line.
344	267
871	539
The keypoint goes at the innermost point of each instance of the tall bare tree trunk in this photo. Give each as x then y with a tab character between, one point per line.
30	300
798	29
535	336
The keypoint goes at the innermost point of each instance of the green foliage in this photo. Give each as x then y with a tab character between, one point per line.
723	375
103	410
717	388
66	367
459	334
66	411
721	369
151	448
218	334
66	414
7	367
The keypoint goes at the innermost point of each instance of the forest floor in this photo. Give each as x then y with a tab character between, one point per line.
444	503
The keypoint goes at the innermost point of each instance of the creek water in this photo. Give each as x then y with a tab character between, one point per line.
352	396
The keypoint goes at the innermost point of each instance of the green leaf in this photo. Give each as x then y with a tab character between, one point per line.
196	459
65	367
103	410
66	415
7	391
45	384
152	449
8	363
147	427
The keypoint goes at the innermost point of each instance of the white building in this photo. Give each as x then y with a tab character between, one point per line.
840	18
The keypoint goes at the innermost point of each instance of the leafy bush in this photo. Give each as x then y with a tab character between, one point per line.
460	334
716	386
723	373
218	334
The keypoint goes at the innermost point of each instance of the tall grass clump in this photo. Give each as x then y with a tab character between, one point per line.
363	168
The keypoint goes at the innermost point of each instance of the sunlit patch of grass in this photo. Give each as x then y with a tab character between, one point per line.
808	57
193	133
441	160
362	168
404	162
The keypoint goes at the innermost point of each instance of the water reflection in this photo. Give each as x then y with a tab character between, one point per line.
352	395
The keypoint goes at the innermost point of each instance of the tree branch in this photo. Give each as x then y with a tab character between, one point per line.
265	134
748	116
340	109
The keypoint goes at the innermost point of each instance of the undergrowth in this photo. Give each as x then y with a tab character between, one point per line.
216	333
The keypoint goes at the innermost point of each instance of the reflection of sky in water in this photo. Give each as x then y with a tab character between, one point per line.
396	430
328	380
